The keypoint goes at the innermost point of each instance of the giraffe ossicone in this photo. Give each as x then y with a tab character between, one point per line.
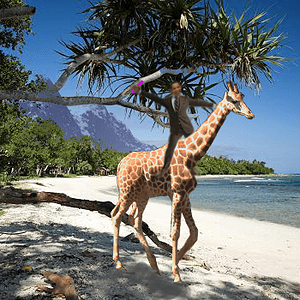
137	180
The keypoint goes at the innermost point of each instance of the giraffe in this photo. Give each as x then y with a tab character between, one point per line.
138	180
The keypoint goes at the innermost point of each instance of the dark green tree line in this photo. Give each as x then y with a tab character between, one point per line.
224	166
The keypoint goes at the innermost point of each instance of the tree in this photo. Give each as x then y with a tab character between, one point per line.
33	146
88	155
13	75
110	159
159	41
14	26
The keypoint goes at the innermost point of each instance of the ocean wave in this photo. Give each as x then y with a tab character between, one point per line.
256	179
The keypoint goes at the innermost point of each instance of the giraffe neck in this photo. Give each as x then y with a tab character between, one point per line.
204	136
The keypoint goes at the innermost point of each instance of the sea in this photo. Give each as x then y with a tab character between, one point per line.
274	199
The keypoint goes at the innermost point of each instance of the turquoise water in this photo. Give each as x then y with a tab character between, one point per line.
273	199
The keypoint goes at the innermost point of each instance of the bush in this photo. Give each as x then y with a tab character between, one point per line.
84	168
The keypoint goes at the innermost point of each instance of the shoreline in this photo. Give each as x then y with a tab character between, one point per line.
111	192
248	258
224	213
248	175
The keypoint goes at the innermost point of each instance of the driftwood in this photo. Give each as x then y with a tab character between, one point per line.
18	196
63	285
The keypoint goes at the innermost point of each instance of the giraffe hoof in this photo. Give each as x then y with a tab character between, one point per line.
119	266
176	280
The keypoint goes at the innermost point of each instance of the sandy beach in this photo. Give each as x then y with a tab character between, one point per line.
248	259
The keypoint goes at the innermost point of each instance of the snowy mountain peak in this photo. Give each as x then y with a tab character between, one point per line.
93	120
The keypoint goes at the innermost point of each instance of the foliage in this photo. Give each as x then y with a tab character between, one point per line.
12	36
173	34
32	145
83	168
37	147
13	31
225	166
14	76
4	179
111	159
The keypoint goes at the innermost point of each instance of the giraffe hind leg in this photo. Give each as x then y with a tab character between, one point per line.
138	227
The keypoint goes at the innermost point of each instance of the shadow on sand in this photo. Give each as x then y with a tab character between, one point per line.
87	257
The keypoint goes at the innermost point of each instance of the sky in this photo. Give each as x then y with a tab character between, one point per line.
273	136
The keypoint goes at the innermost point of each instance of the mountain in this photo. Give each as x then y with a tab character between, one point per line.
93	120
96	121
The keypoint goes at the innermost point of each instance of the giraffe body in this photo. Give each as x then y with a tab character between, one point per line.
139	179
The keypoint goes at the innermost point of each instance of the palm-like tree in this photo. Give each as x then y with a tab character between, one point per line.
126	40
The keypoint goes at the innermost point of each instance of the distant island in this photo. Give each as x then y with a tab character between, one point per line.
210	165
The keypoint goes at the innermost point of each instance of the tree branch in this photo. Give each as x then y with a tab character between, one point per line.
82	59
16	12
155	76
83	100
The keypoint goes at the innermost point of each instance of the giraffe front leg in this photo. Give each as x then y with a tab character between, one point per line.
116	255
116	216
187	213
176	218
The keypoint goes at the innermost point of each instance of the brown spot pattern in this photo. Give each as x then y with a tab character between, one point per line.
192	147
203	130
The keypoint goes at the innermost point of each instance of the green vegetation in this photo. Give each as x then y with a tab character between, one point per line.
225	166
2	212
174	34
13	76
37	147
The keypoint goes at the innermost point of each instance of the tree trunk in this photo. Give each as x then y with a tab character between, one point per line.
18	196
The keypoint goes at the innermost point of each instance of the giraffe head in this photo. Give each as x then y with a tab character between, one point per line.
235	103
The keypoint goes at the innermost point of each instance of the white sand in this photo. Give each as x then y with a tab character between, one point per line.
249	259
